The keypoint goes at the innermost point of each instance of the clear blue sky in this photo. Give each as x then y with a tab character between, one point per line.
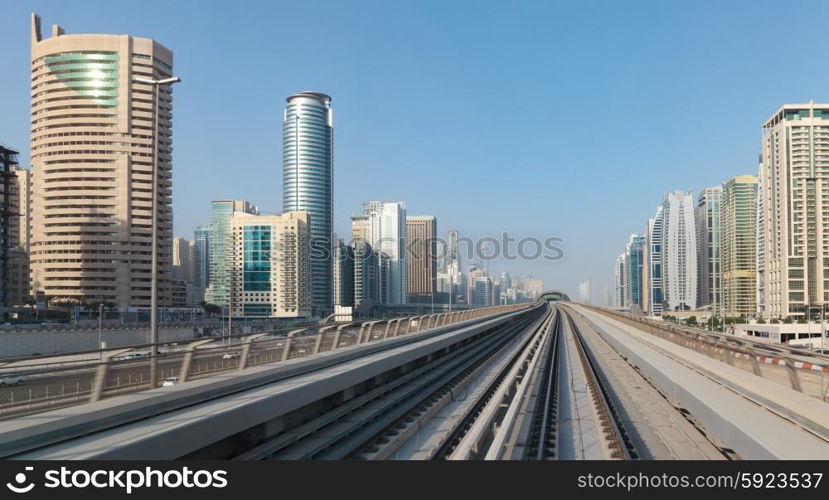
547	118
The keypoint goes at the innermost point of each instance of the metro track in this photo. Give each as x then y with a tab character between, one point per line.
370	425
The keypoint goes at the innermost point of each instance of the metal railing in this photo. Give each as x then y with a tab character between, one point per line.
772	362
78	381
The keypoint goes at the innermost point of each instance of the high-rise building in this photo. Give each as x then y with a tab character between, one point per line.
19	236
421	258
201	257
506	281
619	276
359	228
343	274
221	247
366	275
453	268
270	266
92	147
534	287
653	261
387	235
183	255
308	182
679	252
793	265
20	196
739	246
709	249
8	160
472	275
482	291
634	261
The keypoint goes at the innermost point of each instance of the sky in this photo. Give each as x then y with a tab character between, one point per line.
536	119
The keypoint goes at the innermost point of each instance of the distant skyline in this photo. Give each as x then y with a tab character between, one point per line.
545	119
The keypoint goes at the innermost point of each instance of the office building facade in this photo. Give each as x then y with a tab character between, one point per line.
793	258
92	147
679	252
8	160
654	263
634	262
366	275
421	258
221	247
386	233
619	278
308	182
269	266
739	246
343	275
709	249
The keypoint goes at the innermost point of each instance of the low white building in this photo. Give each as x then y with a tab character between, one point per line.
802	334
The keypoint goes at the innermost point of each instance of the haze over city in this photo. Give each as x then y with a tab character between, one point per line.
539	118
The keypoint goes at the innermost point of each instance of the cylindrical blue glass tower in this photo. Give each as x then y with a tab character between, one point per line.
308	182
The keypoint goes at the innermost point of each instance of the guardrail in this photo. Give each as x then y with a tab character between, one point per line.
115	374
808	378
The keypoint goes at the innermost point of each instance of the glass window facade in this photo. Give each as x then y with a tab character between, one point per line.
257	258
307	181
89	74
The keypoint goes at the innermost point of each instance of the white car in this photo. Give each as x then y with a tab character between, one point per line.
169	381
232	355
9	380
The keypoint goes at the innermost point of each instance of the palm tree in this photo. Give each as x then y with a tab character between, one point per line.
31	301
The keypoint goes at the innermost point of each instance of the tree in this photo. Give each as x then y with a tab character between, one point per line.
69	303
31	301
691	321
211	309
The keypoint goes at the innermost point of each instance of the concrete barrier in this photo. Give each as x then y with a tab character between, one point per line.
27	342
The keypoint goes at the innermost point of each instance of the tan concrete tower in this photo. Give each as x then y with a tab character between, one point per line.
92	159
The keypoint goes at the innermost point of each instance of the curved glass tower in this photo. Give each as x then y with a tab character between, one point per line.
308	182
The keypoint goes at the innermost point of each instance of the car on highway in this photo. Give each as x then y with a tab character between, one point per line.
131	355
232	355
10	379
169	381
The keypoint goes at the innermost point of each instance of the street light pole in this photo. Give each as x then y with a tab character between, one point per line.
100	330
154	210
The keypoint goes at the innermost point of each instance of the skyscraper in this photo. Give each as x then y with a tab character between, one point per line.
421	258
793	256
482	291
343	274
201	257
19	235
92	148
221	247
739	271
619	278
8	160
366	275
679	252
308	182
386	233
655	276
182	259
709	249
453	267
634	254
